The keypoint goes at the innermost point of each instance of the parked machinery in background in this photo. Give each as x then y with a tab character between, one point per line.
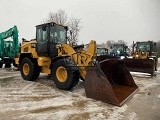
119	50
143	57
9	46
102	51
102	54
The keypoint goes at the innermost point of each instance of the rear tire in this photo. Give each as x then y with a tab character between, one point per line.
29	69
71	77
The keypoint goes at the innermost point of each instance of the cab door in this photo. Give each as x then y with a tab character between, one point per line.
53	51
45	46
42	41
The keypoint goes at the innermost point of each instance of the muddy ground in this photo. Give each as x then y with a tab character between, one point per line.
41	100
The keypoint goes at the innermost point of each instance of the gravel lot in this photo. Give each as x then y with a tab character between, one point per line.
41	100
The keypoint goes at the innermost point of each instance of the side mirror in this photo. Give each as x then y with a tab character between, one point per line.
23	40
66	27
44	28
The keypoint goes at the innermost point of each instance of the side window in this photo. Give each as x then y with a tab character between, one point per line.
62	35
41	35
53	35
44	35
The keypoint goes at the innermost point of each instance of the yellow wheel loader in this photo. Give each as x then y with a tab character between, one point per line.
143	58
107	80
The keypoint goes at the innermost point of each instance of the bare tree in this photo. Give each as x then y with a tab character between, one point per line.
110	43
101	45
60	17
122	42
74	29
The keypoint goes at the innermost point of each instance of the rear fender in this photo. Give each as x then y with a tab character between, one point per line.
23	55
59	57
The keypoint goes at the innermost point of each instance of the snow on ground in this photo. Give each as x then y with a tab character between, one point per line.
41	100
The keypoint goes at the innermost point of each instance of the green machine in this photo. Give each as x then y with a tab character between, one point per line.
9	46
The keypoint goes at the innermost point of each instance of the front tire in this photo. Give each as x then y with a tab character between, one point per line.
65	74
29	69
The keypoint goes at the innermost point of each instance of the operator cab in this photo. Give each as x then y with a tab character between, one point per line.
102	51
48	36
148	46
120	50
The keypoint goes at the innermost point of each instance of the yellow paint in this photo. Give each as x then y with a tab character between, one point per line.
16	60
44	61
26	69
82	57
61	74
141	55
45	69
30	49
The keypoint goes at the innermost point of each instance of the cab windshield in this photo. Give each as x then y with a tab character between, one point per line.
143	47
101	51
117	48
58	34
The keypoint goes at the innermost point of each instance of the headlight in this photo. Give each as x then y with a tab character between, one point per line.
33	45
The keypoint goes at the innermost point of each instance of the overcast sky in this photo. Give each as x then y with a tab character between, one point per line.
102	20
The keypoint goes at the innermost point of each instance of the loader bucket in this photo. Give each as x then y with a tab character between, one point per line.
103	57
110	81
140	65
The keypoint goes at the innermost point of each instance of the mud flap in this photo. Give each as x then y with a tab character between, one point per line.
110	81
140	65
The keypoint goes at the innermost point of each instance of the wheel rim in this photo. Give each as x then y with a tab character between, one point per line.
61	74
26	69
